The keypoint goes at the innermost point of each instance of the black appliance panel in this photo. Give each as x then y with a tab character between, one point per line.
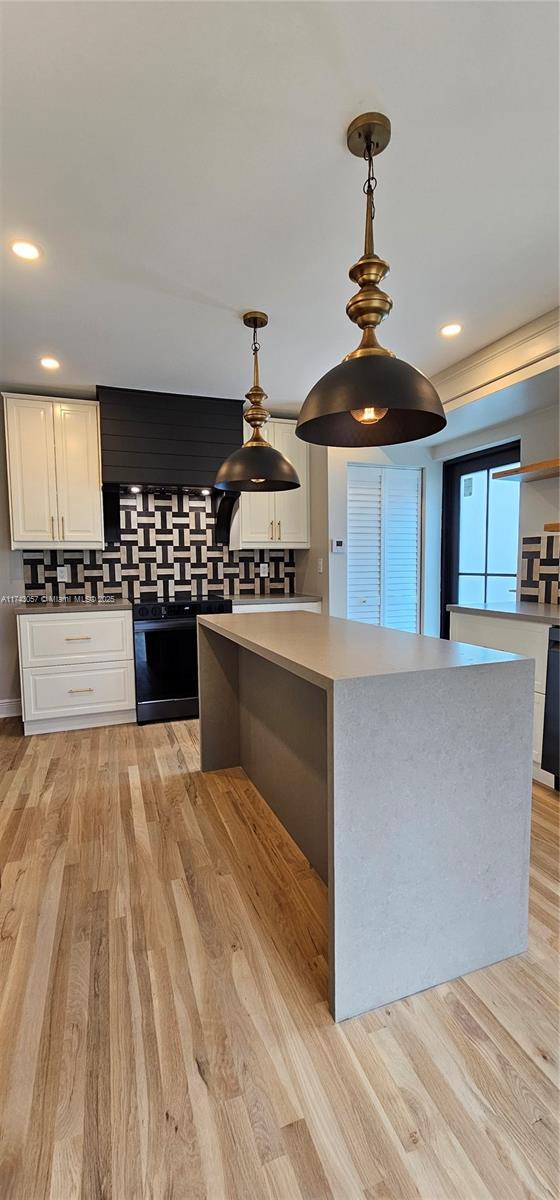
550	760
165	656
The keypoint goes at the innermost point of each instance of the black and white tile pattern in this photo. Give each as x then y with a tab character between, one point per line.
167	550
540	569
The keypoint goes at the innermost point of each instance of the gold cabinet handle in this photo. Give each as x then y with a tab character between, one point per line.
272	529
87	638
75	691
52	528
62	519
279	531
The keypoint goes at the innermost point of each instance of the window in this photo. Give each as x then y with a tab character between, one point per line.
383	542
480	530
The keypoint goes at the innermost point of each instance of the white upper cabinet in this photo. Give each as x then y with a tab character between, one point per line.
54	472
292	508
256	517
78	479
279	519
31	471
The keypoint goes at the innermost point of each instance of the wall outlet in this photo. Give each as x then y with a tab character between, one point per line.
263	570
62	574
319	566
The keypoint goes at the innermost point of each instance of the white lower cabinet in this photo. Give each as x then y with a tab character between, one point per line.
516	636
88	688
76	669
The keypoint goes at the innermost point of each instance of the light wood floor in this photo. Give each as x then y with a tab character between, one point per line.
164	1030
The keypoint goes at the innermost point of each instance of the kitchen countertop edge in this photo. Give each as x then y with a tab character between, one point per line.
72	606
545	614
275	598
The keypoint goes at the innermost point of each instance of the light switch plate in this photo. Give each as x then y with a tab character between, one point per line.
62	574
263	570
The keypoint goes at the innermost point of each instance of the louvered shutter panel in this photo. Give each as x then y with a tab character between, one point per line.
383	545
364	543
400	560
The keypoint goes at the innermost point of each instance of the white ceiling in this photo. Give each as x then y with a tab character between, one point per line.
181	162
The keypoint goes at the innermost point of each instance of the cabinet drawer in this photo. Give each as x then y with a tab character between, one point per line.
50	638
60	691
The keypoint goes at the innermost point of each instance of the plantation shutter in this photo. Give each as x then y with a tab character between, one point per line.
364	543
383	544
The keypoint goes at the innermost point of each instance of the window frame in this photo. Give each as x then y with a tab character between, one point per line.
453	469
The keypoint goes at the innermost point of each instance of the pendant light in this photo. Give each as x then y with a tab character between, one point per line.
256	466
371	398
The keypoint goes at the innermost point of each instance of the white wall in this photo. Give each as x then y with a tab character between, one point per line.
539	434
11	584
309	580
412	455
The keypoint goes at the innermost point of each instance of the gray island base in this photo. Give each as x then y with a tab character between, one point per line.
401	766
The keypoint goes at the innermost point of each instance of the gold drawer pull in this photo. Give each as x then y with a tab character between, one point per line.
87	638
272	529
74	691
279	531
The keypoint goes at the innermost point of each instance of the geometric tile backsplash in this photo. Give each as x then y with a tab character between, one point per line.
167	550
540	569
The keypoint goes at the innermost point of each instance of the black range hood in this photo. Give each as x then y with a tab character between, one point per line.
162	440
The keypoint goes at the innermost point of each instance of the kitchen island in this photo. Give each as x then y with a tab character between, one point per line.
401	766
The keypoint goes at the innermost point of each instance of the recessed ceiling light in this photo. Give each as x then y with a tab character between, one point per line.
205	491
27	250
134	487
50	364
451	330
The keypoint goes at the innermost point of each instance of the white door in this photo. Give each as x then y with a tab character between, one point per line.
31	469
257	517
292	508
78	473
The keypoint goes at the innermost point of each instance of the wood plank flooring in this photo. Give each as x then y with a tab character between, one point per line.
163	1022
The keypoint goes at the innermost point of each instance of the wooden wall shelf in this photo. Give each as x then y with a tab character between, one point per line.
552	527
549	469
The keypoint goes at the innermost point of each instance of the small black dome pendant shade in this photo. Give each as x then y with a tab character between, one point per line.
371	398
256	466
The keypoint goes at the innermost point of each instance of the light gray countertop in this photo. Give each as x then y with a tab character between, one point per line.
547	614
325	649
275	598
73	606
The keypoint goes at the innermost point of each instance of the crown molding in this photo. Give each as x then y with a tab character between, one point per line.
520	355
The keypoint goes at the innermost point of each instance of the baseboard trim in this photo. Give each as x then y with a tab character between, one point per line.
83	721
10	708
542	776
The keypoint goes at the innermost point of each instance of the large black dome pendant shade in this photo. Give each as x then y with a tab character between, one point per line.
371	398
256	466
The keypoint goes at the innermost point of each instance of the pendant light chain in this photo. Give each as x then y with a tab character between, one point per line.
371	181
255	345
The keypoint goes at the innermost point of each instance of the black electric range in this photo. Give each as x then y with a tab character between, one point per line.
165	656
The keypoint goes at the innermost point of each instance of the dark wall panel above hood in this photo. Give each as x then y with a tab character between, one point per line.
160	439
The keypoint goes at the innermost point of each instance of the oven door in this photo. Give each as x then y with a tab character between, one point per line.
165	656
